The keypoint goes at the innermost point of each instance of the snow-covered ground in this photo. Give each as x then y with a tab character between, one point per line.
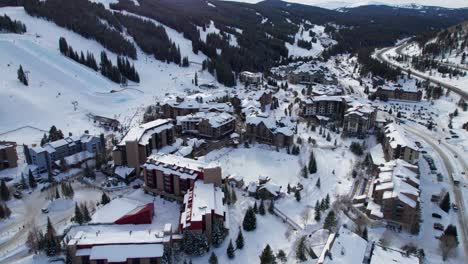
56	81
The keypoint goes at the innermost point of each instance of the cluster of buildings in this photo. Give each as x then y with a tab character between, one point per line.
304	73
357	118
73	150
392	195
345	246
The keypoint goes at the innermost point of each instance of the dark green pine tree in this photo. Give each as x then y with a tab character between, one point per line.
22	76
86	215
104	198
240	240
327	201
4	191
32	180
305	172
250	220
318	183
301	249
267	256
271	207
230	250
317	211
57	195
445	204
312	164
261	208
213	259
78	218
330	221
297	194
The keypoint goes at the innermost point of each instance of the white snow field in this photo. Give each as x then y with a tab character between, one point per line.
56	81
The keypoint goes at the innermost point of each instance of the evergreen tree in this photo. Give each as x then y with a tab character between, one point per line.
194	243
255	208
85	211
305	172
318	183
281	256
250	220
104	198
261	209
218	233
2	212
230	250
312	164
4	191
271	207
32	180
288	188
167	255
330	221
23	181
22	76
297	194
267	256
240	240
78	218
445	204
213	259
317	211
196	79
327	201
52	244
328	137
301	249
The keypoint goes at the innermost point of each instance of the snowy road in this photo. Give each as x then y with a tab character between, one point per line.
443	150
380	55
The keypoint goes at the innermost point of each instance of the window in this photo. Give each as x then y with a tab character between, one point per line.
153	261
85	260
135	261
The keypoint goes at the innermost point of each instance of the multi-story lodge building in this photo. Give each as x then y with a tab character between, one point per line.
114	246
173	176
332	107
203	207
8	155
398	144
211	125
398	93
359	120
140	141
46	156
268	130
394	194
247	78
176	106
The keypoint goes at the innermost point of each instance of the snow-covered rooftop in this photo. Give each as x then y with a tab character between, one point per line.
216	119
284	125
343	247
121	253
398	136
185	168
391	256
143	132
377	155
202	199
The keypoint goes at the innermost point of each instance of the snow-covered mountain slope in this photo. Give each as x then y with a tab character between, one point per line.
56	81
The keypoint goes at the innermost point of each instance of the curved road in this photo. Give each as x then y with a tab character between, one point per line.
450	169
380	56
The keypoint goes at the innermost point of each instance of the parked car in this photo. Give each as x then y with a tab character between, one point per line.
45	210
435	198
435	215
438	226
454	207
